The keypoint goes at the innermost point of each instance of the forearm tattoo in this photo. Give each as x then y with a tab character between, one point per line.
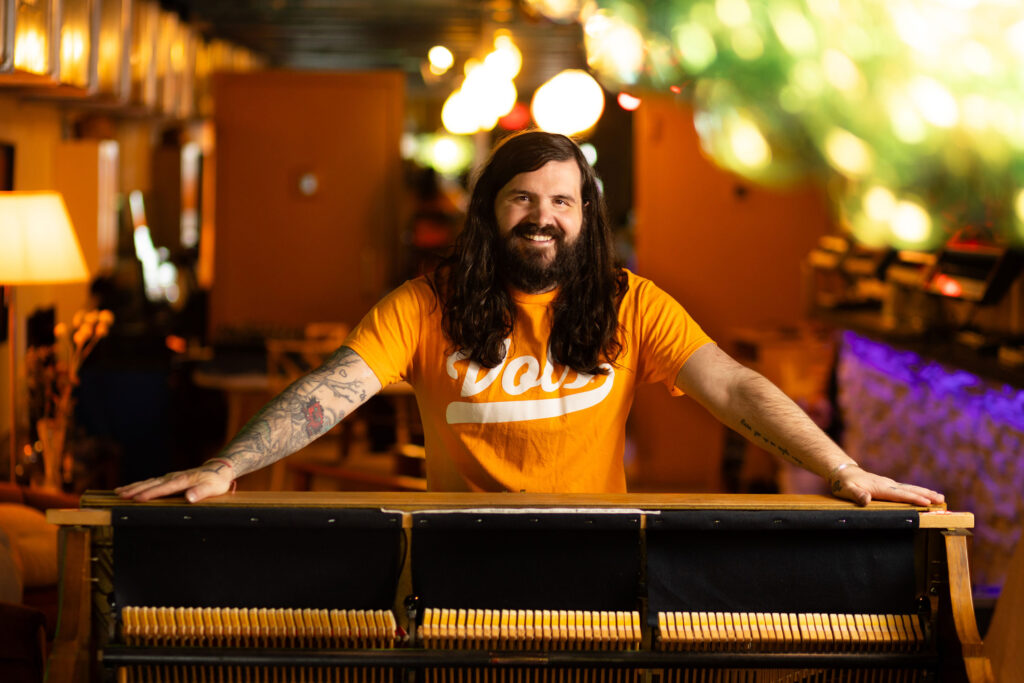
299	414
768	443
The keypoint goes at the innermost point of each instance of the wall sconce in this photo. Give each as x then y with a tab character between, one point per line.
113	63
175	61
145	27
79	23
28	50
201	89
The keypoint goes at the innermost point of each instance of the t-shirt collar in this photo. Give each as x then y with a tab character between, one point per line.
521	297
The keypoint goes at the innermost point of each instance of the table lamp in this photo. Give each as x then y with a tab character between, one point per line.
37	246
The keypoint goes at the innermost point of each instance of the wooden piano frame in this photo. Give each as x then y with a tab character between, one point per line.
76	647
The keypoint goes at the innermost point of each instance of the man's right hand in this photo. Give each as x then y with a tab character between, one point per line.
209	479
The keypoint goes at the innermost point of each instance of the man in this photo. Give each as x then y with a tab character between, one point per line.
525	349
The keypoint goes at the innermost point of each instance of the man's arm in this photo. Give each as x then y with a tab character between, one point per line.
754	407
309	407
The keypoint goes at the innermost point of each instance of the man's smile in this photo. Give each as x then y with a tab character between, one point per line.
540	238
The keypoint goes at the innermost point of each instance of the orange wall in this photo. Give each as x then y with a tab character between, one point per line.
732	258
283	258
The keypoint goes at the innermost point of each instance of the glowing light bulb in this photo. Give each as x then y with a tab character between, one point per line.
614	47
733	12
848	153
457	114
793	29
879	203
696	46
842	73
910	222
506	60
493	95
445	151
977	58
557	10
441	59
934	102
747	43
907	125
571	102
627	101
748	144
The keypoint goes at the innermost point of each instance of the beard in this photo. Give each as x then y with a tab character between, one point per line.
527	270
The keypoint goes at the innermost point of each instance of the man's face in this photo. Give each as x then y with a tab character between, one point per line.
540	217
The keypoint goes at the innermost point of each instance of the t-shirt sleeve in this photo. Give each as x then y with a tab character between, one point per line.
387	337
668	336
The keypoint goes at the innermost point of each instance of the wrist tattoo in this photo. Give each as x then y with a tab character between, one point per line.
768	443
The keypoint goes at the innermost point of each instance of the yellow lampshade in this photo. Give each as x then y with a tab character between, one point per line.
38	245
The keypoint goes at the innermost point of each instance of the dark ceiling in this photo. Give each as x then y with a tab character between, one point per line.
385	34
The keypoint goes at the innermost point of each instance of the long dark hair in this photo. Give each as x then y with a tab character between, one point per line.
478	312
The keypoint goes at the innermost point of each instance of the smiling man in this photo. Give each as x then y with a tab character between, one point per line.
525	349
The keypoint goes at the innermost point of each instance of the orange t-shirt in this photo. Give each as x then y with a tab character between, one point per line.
526	424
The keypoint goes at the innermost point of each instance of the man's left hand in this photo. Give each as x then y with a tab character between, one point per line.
862	487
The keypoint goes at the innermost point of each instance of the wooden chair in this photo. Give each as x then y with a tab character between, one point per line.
290	359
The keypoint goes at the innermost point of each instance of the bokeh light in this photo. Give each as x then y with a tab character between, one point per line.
450	155
487	92
562	11
627	101
441	59
910	112
571	102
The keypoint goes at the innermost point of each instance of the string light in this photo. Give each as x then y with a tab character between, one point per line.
906	98
487	92
441	59
571	102
627	101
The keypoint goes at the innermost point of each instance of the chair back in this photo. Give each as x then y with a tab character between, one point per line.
290	359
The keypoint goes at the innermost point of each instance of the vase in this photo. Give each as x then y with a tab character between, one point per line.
52	433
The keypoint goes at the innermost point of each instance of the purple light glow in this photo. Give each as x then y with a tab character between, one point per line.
918	421
924	377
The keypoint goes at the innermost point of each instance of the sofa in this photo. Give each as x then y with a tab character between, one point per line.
29	594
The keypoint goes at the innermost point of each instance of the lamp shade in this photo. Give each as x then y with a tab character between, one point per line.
37	243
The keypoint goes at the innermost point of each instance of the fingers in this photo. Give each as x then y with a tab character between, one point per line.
206	488
154	487
908	493
198	483
851	491
861	487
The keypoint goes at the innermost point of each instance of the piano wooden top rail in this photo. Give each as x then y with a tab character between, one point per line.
96	505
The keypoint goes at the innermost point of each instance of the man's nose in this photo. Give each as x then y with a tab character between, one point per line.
540	214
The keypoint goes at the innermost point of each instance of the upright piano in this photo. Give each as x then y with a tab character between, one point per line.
513	588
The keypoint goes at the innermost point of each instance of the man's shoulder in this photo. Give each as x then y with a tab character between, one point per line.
637	285
415	288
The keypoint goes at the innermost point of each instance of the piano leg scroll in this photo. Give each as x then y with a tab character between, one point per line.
979	668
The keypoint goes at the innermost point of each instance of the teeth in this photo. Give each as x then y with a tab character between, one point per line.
538	238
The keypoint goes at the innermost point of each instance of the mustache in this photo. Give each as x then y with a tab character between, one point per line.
526	228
